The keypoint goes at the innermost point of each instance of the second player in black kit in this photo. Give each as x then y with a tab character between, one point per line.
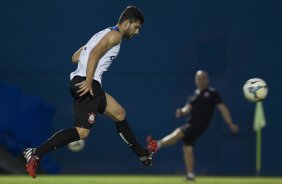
200	106
203	103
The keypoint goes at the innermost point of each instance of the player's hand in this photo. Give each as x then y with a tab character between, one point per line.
85	87
178	113
234	128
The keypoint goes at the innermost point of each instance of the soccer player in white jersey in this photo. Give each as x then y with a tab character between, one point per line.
89	98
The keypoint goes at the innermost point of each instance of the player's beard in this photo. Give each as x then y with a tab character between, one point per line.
127	35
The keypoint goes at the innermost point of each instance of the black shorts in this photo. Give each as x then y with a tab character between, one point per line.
87	106
191	133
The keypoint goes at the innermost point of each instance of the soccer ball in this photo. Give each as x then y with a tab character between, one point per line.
255	90
76	145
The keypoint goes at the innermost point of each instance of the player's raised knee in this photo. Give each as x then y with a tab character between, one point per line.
83	132
120	114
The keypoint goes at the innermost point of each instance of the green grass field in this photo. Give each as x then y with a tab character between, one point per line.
132	179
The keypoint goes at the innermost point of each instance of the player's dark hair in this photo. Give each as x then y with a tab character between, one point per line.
133	14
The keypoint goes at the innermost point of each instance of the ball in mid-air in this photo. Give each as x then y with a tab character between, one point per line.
255	90
76	145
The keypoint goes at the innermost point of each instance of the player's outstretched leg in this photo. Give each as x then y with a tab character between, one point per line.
117	113
144	154
170	139
59	139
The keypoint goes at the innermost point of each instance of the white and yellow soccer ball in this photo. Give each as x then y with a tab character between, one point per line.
76	145
255	90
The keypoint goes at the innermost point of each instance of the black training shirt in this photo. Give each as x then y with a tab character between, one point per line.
203	104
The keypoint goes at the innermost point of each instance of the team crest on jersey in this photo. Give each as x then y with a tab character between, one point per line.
91	117
206	94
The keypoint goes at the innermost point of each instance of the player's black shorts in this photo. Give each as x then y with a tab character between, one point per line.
191	133
87	106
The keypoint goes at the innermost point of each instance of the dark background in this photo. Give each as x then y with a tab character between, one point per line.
233	40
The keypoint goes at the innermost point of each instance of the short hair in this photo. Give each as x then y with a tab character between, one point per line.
133	14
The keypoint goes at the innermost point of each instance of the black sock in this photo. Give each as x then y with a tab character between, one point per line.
59	139
127	136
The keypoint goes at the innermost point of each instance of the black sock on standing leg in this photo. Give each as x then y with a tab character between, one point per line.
128	137
59	139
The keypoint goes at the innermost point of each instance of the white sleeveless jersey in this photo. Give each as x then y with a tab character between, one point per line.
103	63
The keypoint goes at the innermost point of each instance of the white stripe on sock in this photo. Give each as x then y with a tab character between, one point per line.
143	158
123	138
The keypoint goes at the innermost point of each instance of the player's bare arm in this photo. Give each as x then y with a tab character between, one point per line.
75	56
185	110
227	117
107	42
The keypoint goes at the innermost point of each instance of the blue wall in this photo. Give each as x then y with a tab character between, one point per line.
233	40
